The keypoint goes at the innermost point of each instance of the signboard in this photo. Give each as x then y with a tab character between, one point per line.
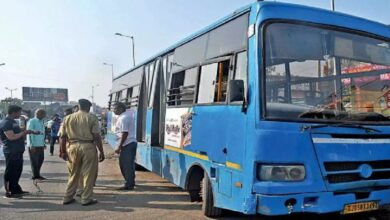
178	127
45	94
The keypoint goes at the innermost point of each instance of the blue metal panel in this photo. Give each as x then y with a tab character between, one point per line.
143	157
209	131
156	160
225	182
236	129
148	132
284	143
175	167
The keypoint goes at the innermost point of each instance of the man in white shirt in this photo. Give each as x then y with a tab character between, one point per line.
126	144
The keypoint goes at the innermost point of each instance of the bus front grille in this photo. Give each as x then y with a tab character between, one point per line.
343	172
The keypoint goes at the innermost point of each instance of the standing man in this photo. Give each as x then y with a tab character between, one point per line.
36	143
13	141
55	127
126	144
81	130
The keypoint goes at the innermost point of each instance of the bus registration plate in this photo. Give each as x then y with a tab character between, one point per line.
360	207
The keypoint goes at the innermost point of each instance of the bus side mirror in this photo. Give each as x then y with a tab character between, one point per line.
236	91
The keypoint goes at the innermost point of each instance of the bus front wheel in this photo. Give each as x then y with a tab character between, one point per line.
208	207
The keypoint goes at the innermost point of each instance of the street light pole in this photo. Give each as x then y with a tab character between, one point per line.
132	41
332	4
93	92
11	91
112	70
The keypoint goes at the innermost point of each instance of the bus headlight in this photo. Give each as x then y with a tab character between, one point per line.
280	173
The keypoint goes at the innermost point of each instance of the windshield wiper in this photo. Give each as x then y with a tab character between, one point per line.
342	125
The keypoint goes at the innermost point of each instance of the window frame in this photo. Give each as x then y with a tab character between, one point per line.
246	82
261	39
230	75
196	86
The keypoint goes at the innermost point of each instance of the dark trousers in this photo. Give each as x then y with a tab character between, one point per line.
13	171
36	160
52	143
127	163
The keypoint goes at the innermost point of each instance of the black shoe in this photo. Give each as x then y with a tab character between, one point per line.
69	202
41	178
125	188
91	202
9	195
23	192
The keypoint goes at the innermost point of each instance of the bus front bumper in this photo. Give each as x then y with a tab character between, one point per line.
324	202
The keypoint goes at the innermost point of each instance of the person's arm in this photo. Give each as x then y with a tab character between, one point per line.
121	142
63	153
97	139
99	144
9	132
12	136
30	126
63	140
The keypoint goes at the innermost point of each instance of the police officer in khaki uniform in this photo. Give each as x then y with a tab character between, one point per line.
82	133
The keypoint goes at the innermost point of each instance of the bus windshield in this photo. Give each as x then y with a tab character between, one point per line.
320	74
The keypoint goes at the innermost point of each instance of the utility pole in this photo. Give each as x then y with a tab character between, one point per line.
93	95
11	91
132	40
332	5
112	70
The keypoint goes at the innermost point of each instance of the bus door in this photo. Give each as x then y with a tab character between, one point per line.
155	103
218	127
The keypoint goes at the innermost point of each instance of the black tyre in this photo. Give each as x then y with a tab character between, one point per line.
195	195
208	207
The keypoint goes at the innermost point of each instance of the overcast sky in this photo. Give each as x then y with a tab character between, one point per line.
63	43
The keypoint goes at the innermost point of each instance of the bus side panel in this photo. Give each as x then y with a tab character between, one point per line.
143	156
176	166
148	128
156	160
209	132
228	189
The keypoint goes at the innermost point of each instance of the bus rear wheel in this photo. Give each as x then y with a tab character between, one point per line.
208	207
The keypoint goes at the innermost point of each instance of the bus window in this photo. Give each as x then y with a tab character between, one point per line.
118	96
241	68
182	88
173	93
135	92
213	82
129	95
188	89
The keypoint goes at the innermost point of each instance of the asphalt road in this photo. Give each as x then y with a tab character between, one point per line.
153	198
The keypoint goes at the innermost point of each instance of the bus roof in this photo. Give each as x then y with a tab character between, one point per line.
247	9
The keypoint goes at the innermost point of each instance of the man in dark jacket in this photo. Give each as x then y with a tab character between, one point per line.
13	141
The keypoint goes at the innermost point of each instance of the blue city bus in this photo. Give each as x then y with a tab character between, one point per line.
275	109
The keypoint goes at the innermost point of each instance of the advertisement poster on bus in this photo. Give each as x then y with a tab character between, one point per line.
178	127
